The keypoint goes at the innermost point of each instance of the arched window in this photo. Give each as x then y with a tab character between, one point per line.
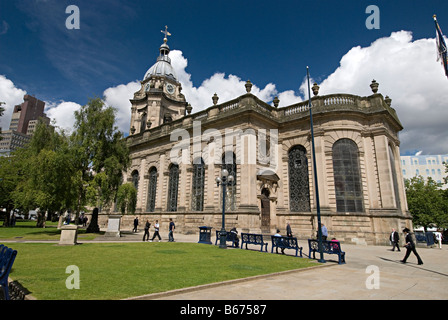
197	200
152	189
299	189
173	187
347	176
229	163
135	178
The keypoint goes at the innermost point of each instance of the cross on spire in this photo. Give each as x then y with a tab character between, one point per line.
166	33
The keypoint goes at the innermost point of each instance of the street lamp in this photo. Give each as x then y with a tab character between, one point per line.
224	180
316	186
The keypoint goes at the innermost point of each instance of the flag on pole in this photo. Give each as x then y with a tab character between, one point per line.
441	47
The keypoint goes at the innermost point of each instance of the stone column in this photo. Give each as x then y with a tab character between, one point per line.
384	172
160	178
248	173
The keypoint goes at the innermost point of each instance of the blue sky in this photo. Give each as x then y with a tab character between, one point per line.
268	42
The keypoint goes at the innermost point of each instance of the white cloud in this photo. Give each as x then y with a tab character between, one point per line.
62	113
118	97
407	72
226	87
11	96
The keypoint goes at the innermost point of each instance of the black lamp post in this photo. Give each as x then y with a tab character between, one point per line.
224	180
319	225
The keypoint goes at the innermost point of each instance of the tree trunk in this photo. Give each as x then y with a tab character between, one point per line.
40	219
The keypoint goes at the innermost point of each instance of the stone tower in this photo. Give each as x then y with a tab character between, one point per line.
159	99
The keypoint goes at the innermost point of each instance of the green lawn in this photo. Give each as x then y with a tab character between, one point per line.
26	230
121	270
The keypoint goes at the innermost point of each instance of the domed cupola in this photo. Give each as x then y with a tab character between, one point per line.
159	100
163	65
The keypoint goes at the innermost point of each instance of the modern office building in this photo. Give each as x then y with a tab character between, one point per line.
23	123
425	166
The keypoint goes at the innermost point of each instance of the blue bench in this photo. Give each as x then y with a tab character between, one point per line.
252	238
7	257
285	243
232	237
329	247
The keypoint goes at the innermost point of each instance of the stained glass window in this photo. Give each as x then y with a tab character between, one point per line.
299	189
197	201
173	187
347	176
152	189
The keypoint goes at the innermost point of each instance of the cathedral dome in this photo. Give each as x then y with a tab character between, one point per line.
163	65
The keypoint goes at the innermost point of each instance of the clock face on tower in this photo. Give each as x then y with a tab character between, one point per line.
170	88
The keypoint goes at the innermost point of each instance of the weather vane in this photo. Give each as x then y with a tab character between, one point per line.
166	33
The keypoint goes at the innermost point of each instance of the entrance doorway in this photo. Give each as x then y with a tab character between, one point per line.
265	211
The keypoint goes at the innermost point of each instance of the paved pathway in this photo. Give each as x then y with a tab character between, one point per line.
396	281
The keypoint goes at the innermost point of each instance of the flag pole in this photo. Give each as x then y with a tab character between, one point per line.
319	225
441	46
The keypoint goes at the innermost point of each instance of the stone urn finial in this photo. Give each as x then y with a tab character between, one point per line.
374	85
388	100
148	124
189	108
215	99
248	86
132	130
315	89
276	102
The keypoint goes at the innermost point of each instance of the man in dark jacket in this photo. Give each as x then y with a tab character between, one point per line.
394	238
410	246
146	235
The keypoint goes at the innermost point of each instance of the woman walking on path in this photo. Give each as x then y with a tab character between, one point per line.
410	246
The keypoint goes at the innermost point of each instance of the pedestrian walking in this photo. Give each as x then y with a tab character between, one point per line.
135	224
394	238
147	225
288	230
171	231
410	246
156	231
439	238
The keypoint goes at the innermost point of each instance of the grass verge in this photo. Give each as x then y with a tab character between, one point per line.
121	270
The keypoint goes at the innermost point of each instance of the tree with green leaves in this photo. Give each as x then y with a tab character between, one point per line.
10	175
47	173
100	154
426	202
127	198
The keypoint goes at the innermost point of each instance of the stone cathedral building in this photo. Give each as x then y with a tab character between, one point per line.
177	154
